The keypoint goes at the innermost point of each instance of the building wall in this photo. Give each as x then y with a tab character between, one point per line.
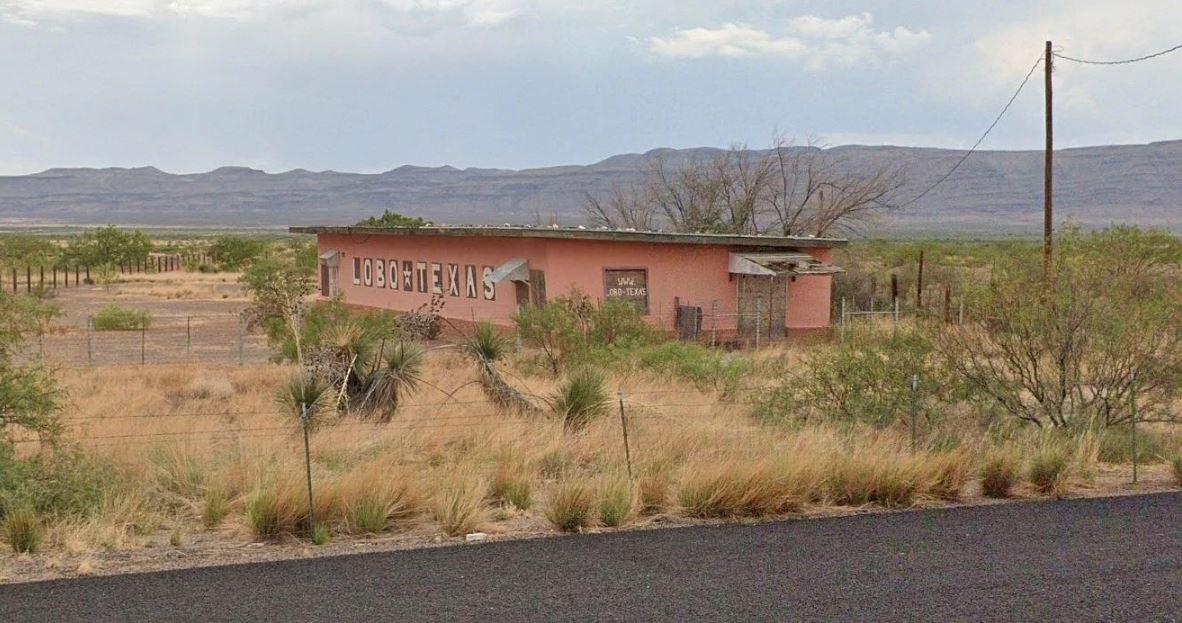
697	274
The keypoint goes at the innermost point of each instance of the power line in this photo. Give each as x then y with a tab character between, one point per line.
1120	62
968	153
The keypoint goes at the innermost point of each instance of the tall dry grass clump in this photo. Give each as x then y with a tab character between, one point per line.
22	529
617	502
879	471
1049	469
459	505
999	472
571	506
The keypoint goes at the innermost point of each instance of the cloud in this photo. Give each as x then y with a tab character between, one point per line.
31	12
816	41
468	12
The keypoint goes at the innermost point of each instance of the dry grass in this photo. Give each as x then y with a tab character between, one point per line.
206	448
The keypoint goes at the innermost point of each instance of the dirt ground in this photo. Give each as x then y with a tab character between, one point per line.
195	318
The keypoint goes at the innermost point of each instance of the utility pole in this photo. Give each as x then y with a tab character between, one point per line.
1049	162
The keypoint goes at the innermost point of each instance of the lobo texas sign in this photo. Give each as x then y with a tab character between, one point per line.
426	277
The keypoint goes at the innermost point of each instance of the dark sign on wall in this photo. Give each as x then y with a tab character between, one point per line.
629	284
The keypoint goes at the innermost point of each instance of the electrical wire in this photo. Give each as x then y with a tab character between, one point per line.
1119	62
972	149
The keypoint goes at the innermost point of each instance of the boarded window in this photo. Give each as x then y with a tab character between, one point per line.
627	284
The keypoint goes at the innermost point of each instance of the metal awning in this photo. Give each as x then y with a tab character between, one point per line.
779	264
516	269
331	258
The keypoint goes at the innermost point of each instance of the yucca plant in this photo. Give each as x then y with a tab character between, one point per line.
305	391
399	373
487	347
581	398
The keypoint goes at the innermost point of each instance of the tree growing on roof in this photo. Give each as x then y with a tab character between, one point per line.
786	190
393	219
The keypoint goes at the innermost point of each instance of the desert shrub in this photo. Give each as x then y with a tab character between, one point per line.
615	503
22	530
64	483
999	473
1075	350
108	245
320	535
115	318
574	330
393	219
1049	469
708	369
1176	468
866	378
236	252
581	398
571	506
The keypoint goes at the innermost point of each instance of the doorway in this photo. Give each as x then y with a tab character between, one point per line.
763	303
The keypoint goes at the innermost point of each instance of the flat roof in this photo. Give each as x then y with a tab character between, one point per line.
573	233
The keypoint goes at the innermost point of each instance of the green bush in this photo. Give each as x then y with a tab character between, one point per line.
61	483
707	368
866	378
115	318
22	529
574	330
236	252
1176	468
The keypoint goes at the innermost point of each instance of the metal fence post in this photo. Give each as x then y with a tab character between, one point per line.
241	330
304	417
1133	410
624	427
914	409
713	323
143	342
896	315
89	341
841	323
189	336
758	320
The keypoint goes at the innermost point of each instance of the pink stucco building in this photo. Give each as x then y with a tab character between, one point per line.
681	282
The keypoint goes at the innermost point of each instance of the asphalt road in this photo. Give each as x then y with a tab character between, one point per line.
1116	559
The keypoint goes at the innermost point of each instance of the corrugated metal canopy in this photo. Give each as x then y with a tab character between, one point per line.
779	264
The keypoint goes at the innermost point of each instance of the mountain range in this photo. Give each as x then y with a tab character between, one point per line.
991	192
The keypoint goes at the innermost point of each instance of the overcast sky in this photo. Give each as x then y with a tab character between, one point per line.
368	85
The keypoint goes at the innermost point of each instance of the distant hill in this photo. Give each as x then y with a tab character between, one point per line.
993	192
